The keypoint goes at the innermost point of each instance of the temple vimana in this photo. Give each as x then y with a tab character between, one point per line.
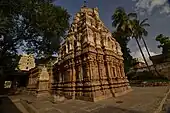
89	65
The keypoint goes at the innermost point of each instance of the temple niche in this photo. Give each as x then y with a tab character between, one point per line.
90	65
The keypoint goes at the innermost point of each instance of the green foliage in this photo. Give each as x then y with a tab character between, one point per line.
120	22
35	26
145	75
126	52
138	28
127	25
164	44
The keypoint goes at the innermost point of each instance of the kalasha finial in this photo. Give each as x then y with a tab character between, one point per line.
85	3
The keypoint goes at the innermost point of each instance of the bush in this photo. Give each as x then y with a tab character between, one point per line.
145	76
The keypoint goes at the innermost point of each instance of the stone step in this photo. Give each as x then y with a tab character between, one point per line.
21	107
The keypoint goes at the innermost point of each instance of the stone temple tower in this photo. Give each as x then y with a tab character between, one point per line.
90	64
26	62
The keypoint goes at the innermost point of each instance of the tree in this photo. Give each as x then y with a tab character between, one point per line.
35	26
120	22
138	31
126	52
164	44
129	26
143	33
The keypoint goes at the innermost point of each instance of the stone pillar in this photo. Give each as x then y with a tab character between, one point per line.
66	82
78	82
98	91
100	68
125	80
63	82
115	70
92	78
51	80
69	83
87	82
73	80
120	80
59	83
108	67
110	90
81	82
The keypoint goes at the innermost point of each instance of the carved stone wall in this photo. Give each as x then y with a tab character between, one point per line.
33	80
90	65
39	81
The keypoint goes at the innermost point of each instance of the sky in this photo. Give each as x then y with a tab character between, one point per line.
157	11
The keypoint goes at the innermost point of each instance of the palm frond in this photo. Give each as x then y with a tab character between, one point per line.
143	21
120	9
132	15
145	33
145	25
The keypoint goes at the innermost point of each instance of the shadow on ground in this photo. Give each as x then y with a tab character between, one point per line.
111	109
7	106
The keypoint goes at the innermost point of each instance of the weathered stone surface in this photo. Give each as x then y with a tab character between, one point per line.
94	63
26	62
141	100
57	98
39	81
90	63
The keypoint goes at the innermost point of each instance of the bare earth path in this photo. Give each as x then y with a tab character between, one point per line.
140	100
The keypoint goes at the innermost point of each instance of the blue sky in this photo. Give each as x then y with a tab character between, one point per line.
157	11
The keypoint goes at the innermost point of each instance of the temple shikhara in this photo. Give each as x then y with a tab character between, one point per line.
90	63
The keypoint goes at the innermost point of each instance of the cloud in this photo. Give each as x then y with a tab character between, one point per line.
138	55
147	6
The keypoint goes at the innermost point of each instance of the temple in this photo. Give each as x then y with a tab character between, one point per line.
90	63
26	62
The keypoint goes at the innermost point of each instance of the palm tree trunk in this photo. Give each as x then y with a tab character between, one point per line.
150	55
146	47
142	54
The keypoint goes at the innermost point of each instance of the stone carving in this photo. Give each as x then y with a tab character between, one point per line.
44	74
26	62
90	36
91	71
39	81
119	49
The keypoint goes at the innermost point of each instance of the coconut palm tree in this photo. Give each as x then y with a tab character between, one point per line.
144	32
120	20
141	33
129	26
138	31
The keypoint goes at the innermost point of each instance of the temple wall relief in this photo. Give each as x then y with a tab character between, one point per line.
94	70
